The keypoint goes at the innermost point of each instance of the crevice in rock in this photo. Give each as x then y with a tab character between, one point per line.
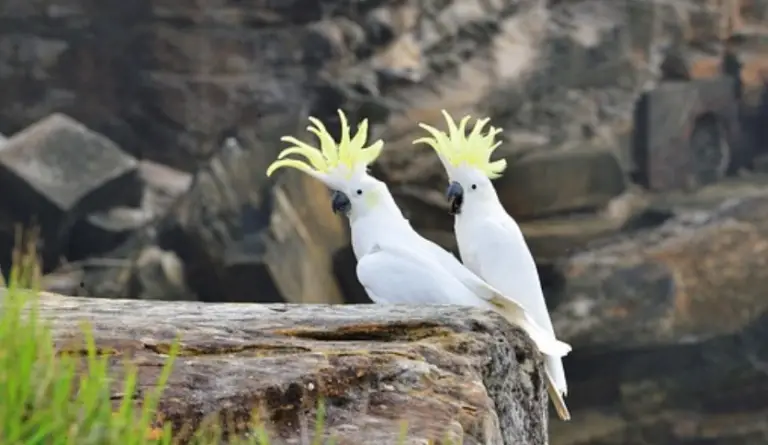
393	332
259	349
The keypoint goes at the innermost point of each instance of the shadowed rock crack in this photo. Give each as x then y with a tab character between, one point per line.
395	332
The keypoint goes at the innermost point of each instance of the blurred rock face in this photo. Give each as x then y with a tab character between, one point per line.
668	329
168	80
601	102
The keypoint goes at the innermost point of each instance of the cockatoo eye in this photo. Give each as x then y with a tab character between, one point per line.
474	186
359	192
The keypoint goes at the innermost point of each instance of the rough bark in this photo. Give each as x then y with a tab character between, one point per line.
449	372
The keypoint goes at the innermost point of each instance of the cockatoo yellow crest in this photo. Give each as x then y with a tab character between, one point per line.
334	161
457	148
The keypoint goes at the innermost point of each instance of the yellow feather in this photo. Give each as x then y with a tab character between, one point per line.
463	126
479	125
439	142
362	134
496	168
288	163
371	199
429	141
345	156
457	147
327	144
452	130
431	130
370	154
314	157
333	160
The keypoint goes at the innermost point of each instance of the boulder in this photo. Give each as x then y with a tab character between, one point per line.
64	280
284	235
558	182
304	236
688	134
163	186
244	266
233	232
57	171
159	275
554	238
446	372
668	327
100	232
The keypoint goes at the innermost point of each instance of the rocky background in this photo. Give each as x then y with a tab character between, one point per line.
137	135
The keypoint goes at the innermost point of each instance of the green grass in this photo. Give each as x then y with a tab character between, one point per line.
49	398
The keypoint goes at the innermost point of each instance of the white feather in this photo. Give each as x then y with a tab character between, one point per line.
396	265
492	245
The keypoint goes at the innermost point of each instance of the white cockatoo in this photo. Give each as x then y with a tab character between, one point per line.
490	242
395	264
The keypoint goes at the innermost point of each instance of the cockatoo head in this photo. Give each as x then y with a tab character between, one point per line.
466	158
342	165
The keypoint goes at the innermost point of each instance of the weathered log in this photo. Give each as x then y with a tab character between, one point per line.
447	371
668	329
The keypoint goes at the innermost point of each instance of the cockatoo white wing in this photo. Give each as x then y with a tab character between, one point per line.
402	274
466	276
480	287
499	254
395	275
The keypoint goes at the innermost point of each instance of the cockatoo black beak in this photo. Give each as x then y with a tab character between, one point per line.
340	202
455	195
